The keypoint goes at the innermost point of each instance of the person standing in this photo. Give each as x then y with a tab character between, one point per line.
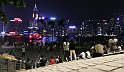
40	45
23	50
72	49
66	50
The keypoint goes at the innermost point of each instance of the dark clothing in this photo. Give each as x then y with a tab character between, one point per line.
28	65
72	46
43	62
23	54
67	54
60	60
97	55
12	53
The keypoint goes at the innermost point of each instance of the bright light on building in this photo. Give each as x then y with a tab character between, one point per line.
81	28
98	23
33	15
79	34
39	18
118	18
43	17
36	27
3	33
52	18
104	20
30	27
30	36
72	27
17	19
44	31
12	20
63	35
12	33
25	32
99	34
105	23
36	18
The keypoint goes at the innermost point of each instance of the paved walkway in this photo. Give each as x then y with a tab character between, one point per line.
113	63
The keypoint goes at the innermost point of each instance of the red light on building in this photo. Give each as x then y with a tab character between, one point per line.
30	40
36	35
30	36
12	33
40	36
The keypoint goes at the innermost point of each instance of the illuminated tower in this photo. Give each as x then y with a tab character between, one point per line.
35	17
34	25
35	13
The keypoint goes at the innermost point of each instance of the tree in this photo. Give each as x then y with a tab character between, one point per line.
61	24
17	3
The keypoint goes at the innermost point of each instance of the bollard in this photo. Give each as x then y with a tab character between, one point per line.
23	65
20	64
7	66
14	65
0	69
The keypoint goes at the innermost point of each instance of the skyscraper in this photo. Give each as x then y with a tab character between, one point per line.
34	25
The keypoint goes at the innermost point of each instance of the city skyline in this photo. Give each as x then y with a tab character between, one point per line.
26	13
64	9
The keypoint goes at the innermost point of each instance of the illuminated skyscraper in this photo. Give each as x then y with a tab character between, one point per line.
34	25
35	13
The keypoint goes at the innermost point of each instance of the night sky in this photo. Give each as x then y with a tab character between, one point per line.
66	8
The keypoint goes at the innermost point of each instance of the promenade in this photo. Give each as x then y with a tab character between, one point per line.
112	63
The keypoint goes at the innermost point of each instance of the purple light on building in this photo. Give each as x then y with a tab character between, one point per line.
36	18
72	27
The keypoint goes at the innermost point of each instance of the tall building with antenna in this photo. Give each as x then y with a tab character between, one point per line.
33	24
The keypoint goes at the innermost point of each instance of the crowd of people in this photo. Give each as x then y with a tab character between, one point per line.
97	49
42	62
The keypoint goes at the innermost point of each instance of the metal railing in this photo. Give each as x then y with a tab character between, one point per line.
11	65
